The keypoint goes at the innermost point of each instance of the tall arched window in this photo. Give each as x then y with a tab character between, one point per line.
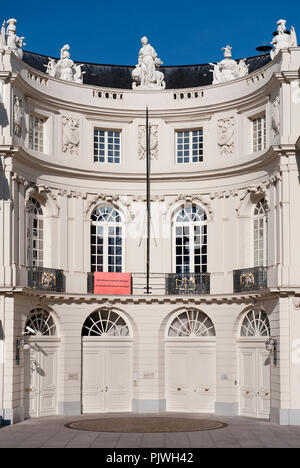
260	234
106	240
35	231
191	240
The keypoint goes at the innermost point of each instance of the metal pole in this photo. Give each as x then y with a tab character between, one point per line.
148	200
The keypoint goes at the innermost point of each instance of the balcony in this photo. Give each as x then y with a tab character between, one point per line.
47	279
250	279
164	284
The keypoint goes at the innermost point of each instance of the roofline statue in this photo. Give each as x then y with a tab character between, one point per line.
283	39
146	74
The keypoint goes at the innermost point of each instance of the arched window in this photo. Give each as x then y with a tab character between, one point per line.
191	240
40	323
35	231
106	240
105	323
260	234
191	323
255	324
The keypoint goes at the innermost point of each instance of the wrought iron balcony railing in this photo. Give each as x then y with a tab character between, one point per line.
47	279
165	283
250	279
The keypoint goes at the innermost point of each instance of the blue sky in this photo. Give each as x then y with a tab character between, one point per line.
181	32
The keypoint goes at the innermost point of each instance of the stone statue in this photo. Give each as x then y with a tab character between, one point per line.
70	135
228	69
145	74
276	116
78	75
283	40
18	116
225	135
9	40
51	67
65	68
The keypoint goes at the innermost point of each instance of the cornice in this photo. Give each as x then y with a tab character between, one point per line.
203	110
59	298
47	167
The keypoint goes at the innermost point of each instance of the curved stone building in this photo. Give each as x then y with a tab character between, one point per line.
218	331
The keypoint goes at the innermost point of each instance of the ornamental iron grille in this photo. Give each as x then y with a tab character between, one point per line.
105	323
187	283
260	233
250	279
41	323
106	240
48	279
255	324
35	229
191	240
191	323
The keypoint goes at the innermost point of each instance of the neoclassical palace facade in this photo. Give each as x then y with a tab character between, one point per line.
219	329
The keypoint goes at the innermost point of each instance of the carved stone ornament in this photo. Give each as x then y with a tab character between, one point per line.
65	68
18	116
228	69
276	116
70	135
153	143
283	39
225	136
9	40
146	74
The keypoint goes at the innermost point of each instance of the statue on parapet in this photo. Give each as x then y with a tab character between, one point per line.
146	74
228	69
65	68
9	40
283	39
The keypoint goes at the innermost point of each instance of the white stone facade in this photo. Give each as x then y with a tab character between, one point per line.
47	154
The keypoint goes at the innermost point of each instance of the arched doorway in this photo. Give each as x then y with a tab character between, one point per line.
41	365
254	365
190	363
106	362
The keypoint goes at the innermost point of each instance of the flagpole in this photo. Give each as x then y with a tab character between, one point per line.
148	200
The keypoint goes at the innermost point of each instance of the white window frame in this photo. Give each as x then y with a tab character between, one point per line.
39	238
190	225
257	149
106	227
40	149
106	131
256	252
190	130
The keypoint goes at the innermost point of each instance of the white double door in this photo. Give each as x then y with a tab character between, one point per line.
191	377
254	381
40	379
106	376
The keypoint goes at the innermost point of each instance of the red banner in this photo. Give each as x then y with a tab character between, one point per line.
112	283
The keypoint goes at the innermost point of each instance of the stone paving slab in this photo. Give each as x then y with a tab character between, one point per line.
50	432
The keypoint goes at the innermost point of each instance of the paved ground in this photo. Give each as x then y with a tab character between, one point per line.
241	432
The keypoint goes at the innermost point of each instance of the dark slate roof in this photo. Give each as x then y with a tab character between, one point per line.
119	76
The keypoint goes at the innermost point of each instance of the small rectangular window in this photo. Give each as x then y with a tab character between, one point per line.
36	133
259	134
107	146
189	146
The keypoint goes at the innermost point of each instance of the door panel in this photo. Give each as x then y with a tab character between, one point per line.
47	372
93	380
254	370
264	399
40	381
191	379
248	388
204	377
118	379
178	386
106	377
